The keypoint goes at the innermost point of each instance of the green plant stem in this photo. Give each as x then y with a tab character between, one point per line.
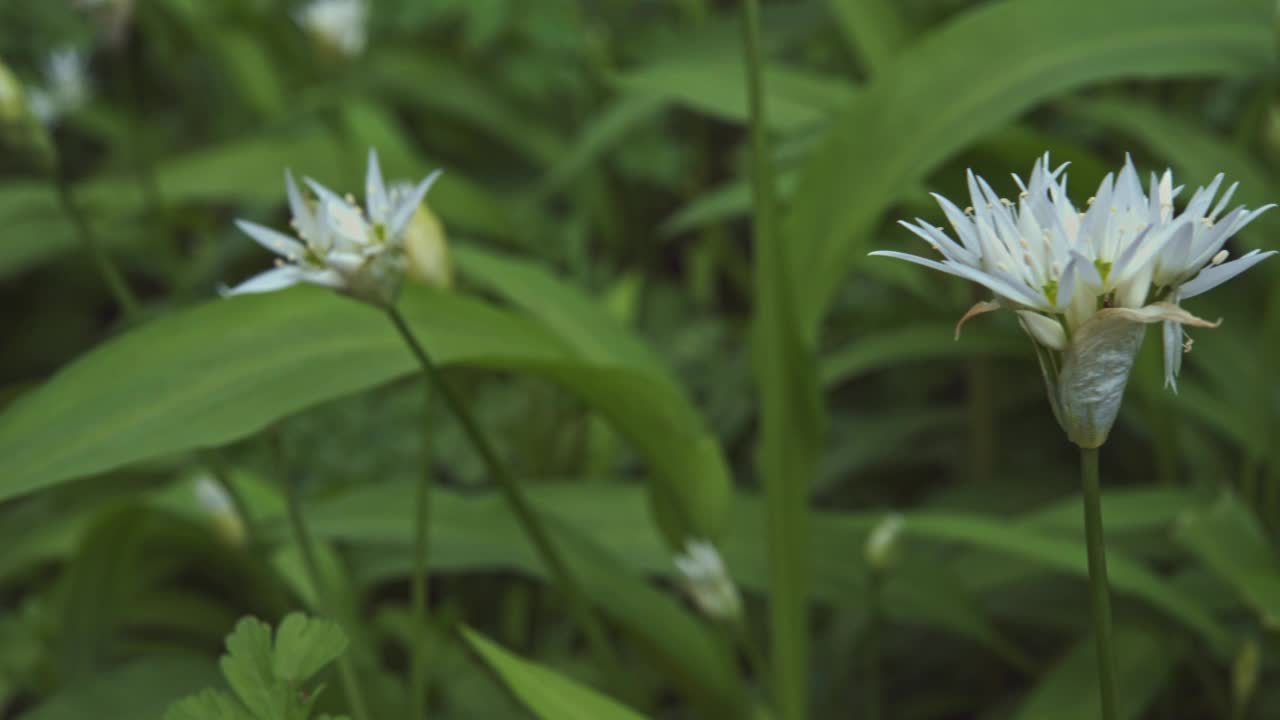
790	409
1098	587
346	669
515	498
875	623
418	591
106	268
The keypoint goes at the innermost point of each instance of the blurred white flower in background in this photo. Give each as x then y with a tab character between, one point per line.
1080	281
339	246
705	578
66	87
342	25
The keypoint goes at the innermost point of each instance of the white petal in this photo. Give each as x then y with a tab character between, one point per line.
1045	330
274	279
1000	286
945	245
409	205
302	215
345	221
276	242
375	191
1212	277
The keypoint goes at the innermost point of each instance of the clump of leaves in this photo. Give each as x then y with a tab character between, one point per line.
267	679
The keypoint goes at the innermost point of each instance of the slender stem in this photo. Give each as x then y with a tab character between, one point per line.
1098	580
418	591
516	499
346	670
789	406
106	268
875	622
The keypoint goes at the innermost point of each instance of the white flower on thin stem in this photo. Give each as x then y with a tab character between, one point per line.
703	574
66	87
1080	281
338	245
338	24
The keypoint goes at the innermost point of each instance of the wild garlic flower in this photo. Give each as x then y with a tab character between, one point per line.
340	25
1080	282
66	87
705	578
358	252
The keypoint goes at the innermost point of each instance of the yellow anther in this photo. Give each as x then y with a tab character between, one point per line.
1219	258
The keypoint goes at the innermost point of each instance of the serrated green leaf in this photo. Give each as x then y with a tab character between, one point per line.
208	705
247	666
304	646
550	695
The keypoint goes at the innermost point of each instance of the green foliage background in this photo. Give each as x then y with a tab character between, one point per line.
598	206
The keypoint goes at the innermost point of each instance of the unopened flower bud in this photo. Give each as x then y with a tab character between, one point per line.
427	250
216	501
705	578
882	542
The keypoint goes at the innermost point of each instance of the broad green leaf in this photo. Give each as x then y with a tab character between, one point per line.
874	30
915	343
221	371
693	486
1145	658
1067	555
225	369
950	90
604	531
569	313
711	83
1229	540
548	694
140	689
305	645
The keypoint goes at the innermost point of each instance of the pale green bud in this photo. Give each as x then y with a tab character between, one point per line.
426	250
882	541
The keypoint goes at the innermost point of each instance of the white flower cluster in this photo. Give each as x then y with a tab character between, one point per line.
1058	267
339	245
